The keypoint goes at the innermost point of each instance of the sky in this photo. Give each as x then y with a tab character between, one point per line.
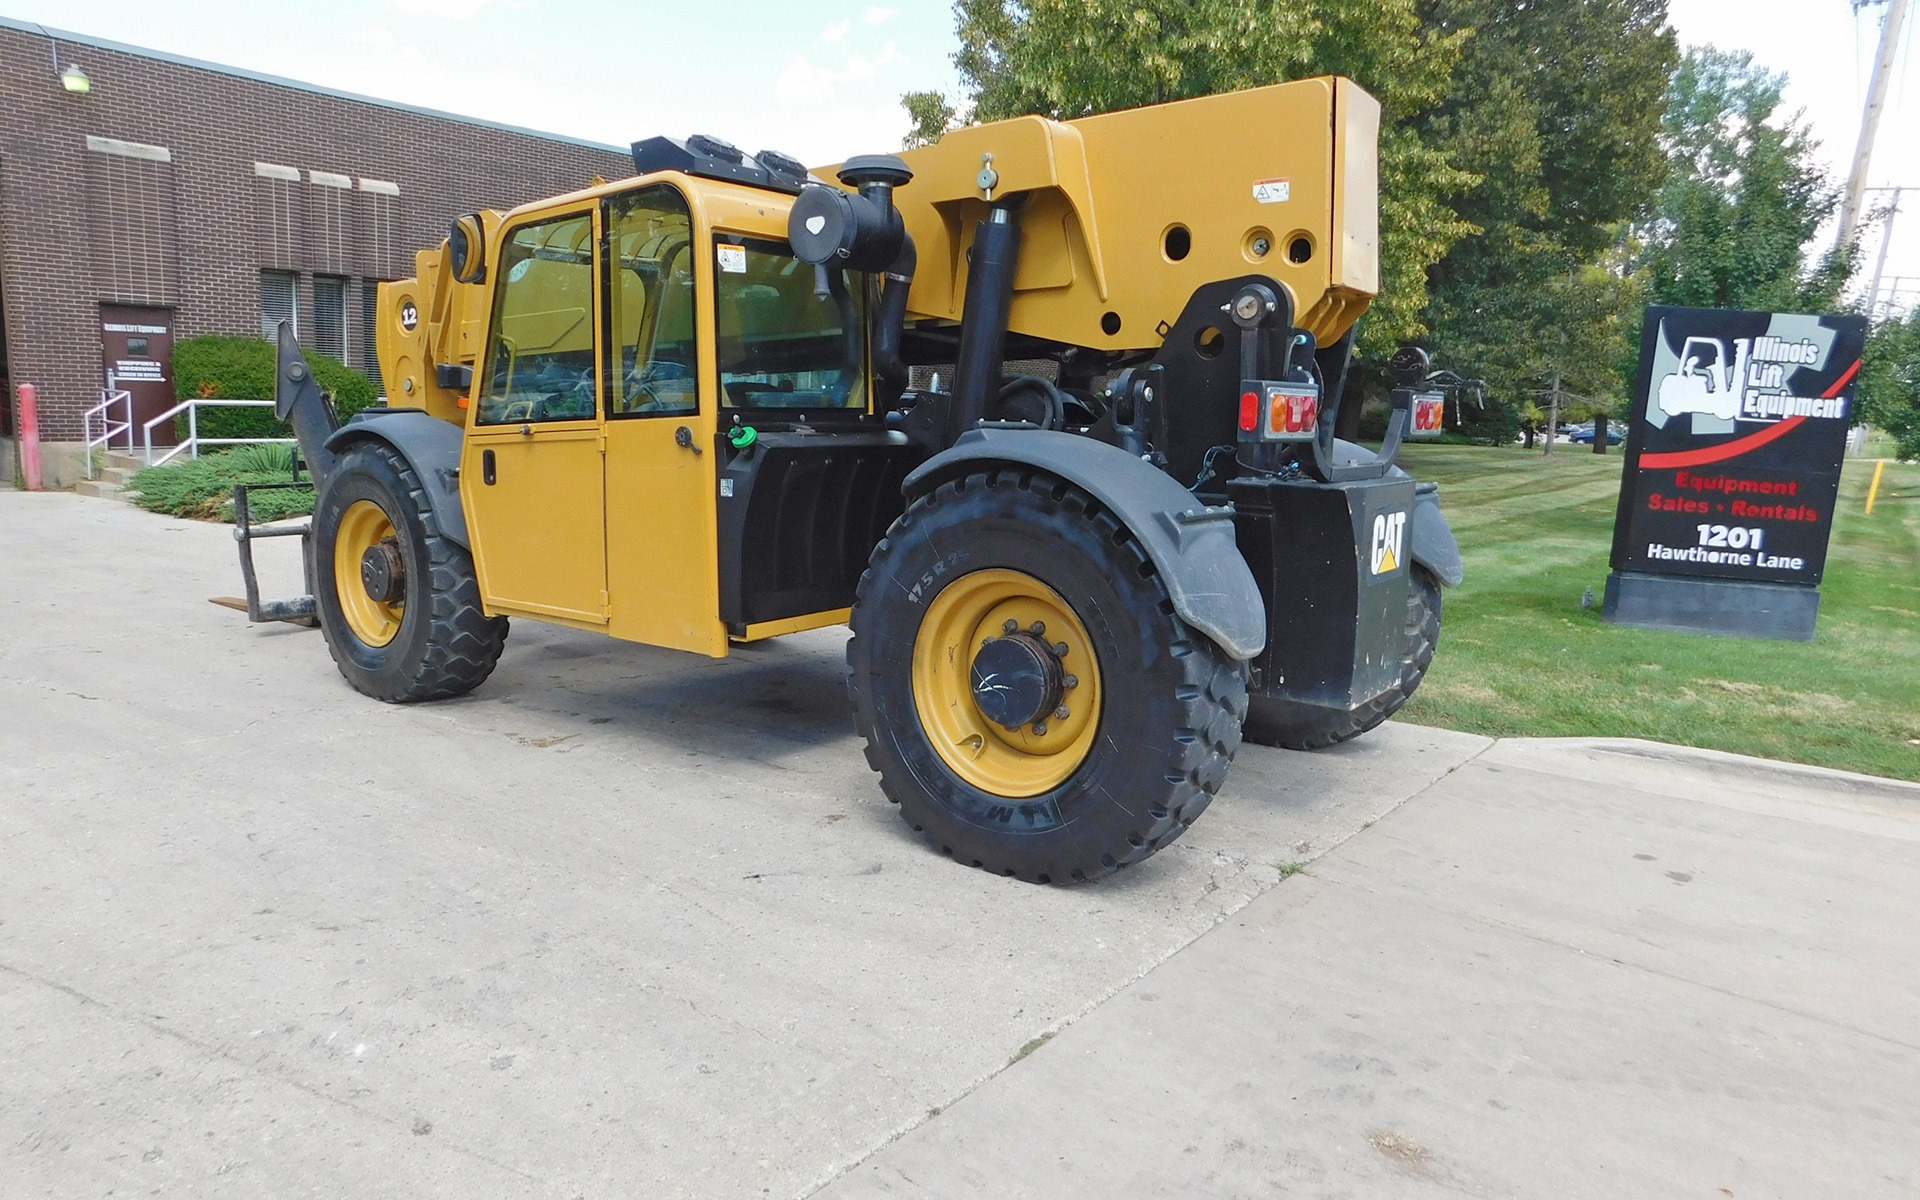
822	80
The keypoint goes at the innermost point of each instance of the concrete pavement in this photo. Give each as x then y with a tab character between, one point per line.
626	922
1567	969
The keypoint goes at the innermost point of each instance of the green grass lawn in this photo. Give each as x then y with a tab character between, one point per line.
1520	656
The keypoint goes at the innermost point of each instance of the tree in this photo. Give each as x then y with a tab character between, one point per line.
1888	394
1072	58
1746	197
1555	113
931	114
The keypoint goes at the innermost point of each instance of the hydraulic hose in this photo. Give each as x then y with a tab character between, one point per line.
890	325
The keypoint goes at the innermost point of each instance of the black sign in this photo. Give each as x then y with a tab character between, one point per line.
1739	427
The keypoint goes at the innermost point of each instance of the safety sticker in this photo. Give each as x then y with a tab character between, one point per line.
1273	191
733	259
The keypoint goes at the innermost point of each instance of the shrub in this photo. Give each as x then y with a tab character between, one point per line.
203	487
214	367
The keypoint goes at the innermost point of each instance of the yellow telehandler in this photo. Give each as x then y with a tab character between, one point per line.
731	398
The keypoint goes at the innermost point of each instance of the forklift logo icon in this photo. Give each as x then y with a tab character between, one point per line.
1708	381
1389	536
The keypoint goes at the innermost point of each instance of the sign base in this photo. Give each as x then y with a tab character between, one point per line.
1725	607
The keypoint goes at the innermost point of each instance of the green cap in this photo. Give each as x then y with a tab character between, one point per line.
743	436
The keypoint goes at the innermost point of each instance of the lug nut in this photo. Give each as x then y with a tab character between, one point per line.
1072	681
1061	713
1010	626
1039	628
1060	649
1040	727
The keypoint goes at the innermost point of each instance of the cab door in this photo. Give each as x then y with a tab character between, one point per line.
661	420
532	478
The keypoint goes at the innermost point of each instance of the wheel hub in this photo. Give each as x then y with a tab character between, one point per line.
1017	680
383	573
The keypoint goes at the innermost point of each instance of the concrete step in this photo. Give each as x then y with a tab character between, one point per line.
120	475
119	460
103	489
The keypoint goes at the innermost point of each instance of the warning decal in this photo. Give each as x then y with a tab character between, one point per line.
1273	191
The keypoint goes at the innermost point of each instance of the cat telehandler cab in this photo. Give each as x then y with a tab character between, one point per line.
676	409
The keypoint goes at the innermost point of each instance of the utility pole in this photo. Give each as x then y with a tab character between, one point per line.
1880	262
1890	29
1553	413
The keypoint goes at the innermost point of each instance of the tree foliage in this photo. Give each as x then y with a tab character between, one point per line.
1072	58
1888	393
1745	199
1555	111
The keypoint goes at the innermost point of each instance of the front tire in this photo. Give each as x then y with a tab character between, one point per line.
398	600
1296	726
1148	710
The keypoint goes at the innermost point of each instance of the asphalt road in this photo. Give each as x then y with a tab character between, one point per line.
630	923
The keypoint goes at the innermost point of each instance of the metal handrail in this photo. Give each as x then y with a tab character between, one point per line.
109	428
194	440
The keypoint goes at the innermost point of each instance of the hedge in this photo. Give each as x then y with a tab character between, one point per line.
243	368
203	487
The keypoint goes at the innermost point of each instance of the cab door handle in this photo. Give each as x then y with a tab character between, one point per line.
683	438
486	467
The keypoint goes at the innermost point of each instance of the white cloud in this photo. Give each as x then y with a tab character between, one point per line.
451	10
803	78
836	32
880	16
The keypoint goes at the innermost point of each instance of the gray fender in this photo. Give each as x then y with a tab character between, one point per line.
430	446
1434	546
1192	546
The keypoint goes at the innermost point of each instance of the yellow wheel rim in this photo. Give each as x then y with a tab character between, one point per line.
362	527
1012	763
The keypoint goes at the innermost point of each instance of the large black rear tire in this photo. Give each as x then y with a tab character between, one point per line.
430	639
1296	726
1155	724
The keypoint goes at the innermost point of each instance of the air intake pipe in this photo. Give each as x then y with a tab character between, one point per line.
864	232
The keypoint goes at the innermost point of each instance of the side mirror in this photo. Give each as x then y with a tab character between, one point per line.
467	249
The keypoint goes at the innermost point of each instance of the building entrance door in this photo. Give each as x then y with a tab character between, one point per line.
136	346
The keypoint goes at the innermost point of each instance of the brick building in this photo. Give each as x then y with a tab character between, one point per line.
146	197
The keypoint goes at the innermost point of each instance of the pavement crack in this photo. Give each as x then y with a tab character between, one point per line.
1060	1026
207	1050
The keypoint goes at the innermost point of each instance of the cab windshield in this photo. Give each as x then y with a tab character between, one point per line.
789	335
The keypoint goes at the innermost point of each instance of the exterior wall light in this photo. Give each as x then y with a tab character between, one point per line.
75	80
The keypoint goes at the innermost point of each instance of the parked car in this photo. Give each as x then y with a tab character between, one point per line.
1584	434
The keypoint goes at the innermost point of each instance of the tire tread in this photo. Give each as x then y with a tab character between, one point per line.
1211	692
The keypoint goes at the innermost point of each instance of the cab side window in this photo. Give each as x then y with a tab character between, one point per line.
539	360
649	282
788	335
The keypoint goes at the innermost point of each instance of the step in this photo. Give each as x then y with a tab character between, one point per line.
120	475
103	489
119	460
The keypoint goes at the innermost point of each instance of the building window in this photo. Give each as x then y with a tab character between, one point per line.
369	348
330	316
279	301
